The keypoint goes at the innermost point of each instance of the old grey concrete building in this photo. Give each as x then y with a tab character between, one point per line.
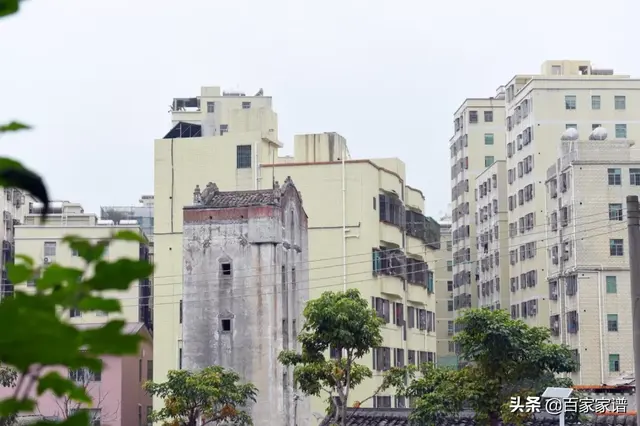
245	284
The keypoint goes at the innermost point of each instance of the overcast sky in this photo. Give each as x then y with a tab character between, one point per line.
95	77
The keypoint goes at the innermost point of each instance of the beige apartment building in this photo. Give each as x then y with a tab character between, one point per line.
539	108
491	220
367	228
477	143
43	242
443	268
587	262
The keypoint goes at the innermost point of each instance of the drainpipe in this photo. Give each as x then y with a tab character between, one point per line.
255	165
344	218
601	323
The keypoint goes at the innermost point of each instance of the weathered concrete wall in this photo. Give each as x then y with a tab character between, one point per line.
263	297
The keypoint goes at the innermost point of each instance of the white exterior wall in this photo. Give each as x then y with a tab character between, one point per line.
468	152
588	232
492	236
548	117
30	240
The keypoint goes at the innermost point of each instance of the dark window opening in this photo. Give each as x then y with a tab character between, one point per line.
226	269
243	156
180	311
225	324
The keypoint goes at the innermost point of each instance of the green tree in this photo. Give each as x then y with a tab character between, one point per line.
506	358
212	394
345	322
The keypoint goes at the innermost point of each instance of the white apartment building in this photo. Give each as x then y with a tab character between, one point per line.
566	94
443	268
15	206
491	220
587	257
477	143
43	242
367	227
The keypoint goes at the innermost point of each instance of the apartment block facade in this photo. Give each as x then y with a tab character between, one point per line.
478	141
367	228
492	237
539	108
443	267
587	255
43	242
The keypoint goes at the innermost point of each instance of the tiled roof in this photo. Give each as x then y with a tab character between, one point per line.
400	417
261	197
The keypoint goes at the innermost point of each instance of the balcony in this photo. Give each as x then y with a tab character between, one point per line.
391	285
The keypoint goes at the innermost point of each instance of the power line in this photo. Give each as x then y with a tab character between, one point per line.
368	253
319	279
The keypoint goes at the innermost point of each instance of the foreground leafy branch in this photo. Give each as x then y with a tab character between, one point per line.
40	339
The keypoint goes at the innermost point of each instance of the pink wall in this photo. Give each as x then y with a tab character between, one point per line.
118	394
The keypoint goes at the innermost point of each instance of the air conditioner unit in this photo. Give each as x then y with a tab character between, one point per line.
47	260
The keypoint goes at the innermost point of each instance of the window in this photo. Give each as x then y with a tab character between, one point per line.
246	105
180	311
616	247
614	362
243	156
211	107
49	248
180	359
556	70
615	176
149	411
612	322
570	102
139	415
615	211
377	261
140	370
620	102
449	265
74	252
224	128
488	160
634	177
595	102
225	268
449	285
488	138
595	126
74	313
621	131
149	369
612	285
449	245
374	202
450	305
473	116
571	126
225	325
488	116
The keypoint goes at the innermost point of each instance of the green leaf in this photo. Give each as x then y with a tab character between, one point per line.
129	236
86	250
61	386
26	259
118	275
111	340
14	126
19	273
93	303
13	406
54	275
15	175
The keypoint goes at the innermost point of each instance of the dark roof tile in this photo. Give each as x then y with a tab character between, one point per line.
400	417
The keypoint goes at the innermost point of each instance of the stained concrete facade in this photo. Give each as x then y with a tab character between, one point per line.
244	254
